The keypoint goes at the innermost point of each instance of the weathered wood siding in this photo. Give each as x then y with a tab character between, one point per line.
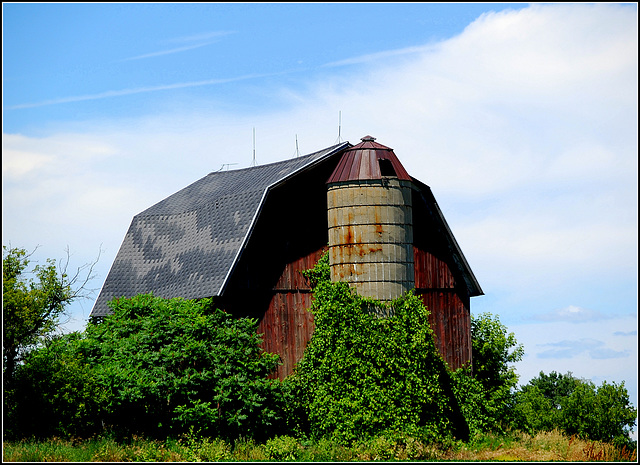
448	305
287	324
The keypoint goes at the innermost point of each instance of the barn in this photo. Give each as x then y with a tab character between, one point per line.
243	237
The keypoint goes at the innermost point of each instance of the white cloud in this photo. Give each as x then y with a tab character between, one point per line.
572	313
23	156
547	51
19	163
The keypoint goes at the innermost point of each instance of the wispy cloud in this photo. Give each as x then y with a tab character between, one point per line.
625	333
167	52
136	90
572	314
373	57
202	36
193	42
569	349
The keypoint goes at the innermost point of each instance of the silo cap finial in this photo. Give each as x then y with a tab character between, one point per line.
368	139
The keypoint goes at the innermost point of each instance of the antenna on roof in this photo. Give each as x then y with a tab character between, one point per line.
297	151
253	163
339	127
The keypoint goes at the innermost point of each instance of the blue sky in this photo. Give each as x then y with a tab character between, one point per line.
522	119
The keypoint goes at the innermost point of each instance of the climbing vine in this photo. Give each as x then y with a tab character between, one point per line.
364	376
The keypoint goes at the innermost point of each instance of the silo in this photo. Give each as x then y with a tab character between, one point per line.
370	222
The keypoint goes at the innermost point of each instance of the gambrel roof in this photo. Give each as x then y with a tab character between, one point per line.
187	244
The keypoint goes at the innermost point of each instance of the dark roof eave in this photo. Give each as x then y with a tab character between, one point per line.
472	283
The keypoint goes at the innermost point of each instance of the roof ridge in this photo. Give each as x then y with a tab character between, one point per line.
286	160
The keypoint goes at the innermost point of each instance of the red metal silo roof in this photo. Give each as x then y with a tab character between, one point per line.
368	160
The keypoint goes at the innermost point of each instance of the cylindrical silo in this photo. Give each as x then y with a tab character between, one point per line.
370	222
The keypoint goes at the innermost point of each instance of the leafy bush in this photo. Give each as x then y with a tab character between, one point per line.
362	375
283	449
173	364
200	449
481	414
576	407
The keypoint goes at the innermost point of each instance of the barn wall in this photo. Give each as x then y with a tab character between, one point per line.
287	324
448	305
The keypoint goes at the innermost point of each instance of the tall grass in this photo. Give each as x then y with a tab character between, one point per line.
542	447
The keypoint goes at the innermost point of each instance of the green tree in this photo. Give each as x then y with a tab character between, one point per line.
494	351
363	376
555	386
31	307
576	406
486	390
539	403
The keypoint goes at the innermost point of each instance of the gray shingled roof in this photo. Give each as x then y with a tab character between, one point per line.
187	244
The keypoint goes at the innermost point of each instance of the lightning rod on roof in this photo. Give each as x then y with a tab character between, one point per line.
297	150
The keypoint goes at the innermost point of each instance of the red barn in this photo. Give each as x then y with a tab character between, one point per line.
243	237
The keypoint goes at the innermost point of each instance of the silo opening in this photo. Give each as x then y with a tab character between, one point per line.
386	168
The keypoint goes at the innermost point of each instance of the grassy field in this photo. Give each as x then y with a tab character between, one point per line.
516	447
